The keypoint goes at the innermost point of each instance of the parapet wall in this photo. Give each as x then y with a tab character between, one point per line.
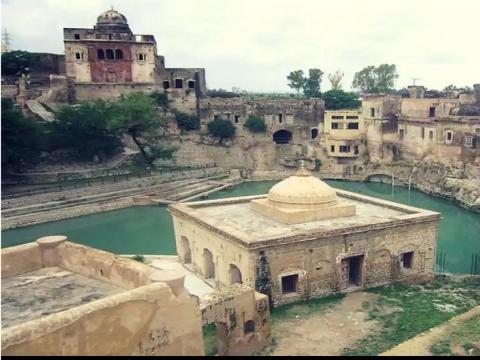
153	316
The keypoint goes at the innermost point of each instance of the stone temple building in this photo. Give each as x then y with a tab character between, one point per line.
109	59
305	239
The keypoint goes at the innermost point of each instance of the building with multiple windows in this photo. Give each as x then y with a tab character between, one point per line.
305	239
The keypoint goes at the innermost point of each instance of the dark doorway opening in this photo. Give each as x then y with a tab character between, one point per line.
407	260
355	271
352	271
289	284
282	137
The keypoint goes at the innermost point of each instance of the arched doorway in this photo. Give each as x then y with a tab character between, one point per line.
282	137
208	264
185	250
235	275
314	133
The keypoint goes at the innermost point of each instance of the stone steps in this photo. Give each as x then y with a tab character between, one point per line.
163	189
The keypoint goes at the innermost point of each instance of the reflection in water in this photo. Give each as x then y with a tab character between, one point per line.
149	229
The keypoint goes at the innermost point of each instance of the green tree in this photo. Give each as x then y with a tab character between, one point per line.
85	129
161	98
464	90
339	99
221	128
255	124
296	80
21	136
135	114
378	79
18	62
186	121
336	79
311	87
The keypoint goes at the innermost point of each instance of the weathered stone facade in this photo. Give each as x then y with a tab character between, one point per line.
226	241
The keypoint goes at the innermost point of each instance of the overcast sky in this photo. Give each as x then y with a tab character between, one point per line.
254	44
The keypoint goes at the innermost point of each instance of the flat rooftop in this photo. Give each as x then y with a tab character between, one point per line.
46	291
233	216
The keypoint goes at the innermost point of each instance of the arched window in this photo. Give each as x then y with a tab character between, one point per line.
100	54
235	275
314	133
78	56
208	264
185	250
282	137
118	54
109	54
166	84
191	84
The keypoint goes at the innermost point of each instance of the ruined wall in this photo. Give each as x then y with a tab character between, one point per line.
318	262
106	91
242	317
148	320
153	316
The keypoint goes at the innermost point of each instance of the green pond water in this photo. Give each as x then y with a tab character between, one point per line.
149	229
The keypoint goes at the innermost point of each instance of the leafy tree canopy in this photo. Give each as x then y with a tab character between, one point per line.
18	62
221	128
21	135
339	99
161	98
312	83
186	121
135	113
379	79
296	80
255	124
86	129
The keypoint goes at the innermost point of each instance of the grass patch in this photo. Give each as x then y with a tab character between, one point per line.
465	334
304	308
210	339
417	309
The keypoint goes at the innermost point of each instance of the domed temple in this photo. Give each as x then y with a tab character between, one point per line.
305	239
302	198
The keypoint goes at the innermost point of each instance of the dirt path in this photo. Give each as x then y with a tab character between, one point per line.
328	332
421	344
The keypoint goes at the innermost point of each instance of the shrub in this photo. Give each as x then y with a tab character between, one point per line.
255	124
160	98
221	128
186	121
138	258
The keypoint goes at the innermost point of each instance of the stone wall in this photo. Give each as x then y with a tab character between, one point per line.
242	318
153	316
109	91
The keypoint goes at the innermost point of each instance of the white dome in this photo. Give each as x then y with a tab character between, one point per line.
302	189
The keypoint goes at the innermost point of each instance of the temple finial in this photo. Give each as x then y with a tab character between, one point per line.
302	171
111	7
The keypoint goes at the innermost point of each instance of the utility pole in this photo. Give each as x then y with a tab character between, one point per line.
5	41
414	79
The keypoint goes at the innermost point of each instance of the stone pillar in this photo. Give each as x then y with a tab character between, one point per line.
49	248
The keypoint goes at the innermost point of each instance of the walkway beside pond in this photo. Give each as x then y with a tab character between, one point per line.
35	210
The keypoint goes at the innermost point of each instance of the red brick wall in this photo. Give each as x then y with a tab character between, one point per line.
110	70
